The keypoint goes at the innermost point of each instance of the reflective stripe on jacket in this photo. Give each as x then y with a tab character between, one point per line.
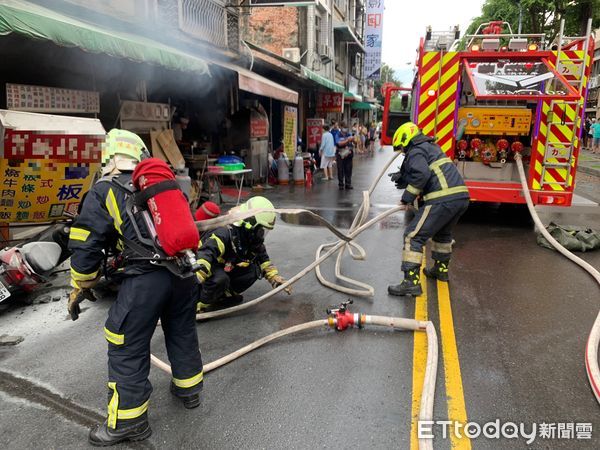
99	226
427	171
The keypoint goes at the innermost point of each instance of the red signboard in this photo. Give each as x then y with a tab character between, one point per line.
21	145
330	102
259	127
314	130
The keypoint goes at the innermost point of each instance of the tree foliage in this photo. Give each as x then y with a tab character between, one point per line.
541	16
387	76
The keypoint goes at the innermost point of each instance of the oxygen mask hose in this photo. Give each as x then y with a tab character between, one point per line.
591	350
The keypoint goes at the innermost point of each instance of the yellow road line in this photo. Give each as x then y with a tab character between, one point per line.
419	361
454	387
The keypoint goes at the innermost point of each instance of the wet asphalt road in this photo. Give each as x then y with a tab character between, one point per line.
520	316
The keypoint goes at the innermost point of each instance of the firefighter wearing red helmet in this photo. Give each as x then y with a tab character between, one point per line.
428	173
147	292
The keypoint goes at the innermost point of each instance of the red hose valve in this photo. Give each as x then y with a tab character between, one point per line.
340	318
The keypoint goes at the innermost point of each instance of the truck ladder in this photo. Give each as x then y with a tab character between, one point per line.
559	154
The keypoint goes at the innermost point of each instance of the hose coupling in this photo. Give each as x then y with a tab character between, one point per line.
340	318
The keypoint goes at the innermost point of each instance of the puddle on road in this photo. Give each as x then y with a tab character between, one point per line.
27	390
342	218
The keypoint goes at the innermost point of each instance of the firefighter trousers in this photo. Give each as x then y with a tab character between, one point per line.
132	319
433	222
237	281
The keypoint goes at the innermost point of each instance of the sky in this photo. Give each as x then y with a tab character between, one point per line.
404	23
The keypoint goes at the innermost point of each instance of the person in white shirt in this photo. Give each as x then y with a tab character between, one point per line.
327	152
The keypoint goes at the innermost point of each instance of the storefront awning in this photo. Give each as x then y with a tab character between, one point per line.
36	22
349	96
335	87
347	35
257	84
362	106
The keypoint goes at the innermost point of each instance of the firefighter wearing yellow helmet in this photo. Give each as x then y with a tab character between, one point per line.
234	257
429	175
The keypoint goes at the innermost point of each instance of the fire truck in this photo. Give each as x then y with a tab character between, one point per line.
494	94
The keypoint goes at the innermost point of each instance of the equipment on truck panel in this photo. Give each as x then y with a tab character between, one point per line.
504	94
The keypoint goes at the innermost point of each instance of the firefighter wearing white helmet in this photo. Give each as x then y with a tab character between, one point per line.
147	292
428	174
234	257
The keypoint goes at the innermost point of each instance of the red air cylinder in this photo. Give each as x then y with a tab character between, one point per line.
170	211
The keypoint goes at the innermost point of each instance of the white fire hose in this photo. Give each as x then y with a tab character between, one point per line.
591	351
358	226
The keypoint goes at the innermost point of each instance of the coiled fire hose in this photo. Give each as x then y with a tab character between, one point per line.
340	318
591	350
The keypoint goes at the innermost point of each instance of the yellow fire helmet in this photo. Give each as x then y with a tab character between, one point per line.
264	219
122	142
404	135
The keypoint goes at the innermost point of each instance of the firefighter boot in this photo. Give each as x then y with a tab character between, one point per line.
438	271
411	285
136	429
190	401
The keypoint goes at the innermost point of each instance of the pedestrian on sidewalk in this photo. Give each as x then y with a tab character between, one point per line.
595	129
587	132
327	152
371	138
427	171
344	154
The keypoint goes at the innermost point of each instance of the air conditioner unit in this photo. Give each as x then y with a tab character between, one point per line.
594	82
326	53
293	54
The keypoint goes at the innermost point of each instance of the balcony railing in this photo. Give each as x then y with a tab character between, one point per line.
209	21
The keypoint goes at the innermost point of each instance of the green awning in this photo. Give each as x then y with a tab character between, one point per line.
353	97
36	22
362	105
321	80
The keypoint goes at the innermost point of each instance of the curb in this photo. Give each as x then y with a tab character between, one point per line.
589	170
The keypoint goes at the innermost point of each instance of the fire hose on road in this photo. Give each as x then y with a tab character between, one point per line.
339	318
591	350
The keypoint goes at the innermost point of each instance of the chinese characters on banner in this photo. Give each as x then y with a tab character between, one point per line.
314	130
45	176
290	131
373	35
23	97
330	102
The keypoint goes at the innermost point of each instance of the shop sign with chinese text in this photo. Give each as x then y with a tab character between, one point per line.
290	131
373	37
45	175
23	97
314	131
330	102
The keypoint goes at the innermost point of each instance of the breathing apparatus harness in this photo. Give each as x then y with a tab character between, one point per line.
184	265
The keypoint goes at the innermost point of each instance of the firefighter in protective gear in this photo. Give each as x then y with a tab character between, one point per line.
148	292
428	173
234	257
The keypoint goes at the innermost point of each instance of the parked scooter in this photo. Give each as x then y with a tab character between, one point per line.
27	266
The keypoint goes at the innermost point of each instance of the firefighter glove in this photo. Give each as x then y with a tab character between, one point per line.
201	275
276	281
76	296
